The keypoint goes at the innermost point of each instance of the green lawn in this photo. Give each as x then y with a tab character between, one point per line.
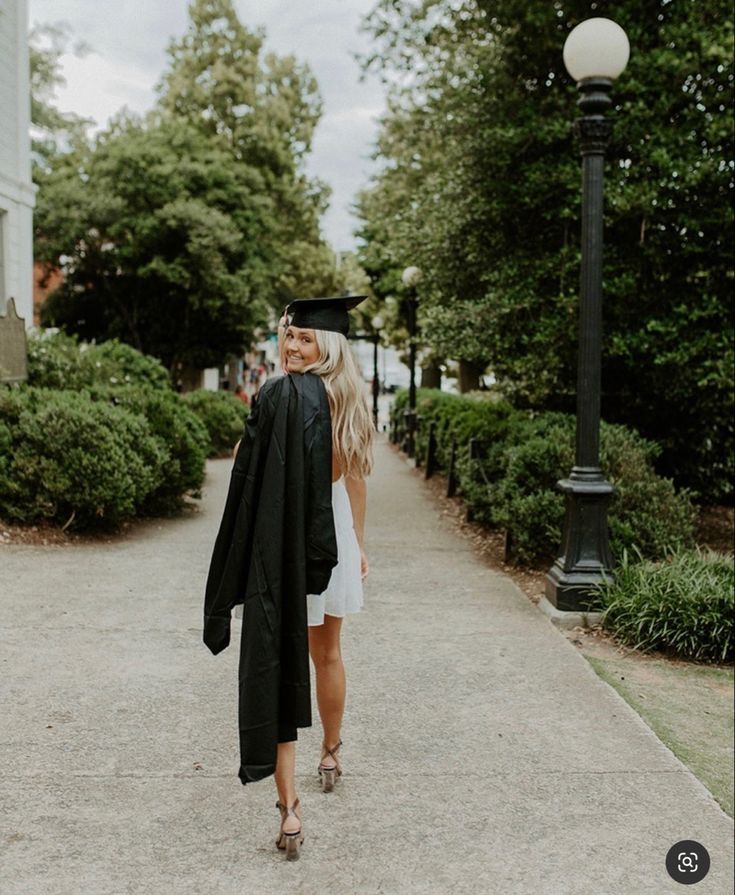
688	706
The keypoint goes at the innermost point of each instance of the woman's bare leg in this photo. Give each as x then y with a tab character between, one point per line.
331	687
285	783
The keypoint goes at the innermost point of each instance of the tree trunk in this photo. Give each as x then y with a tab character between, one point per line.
232	367
469	375
188	378
431	375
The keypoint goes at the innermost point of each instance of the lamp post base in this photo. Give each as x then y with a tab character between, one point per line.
586	560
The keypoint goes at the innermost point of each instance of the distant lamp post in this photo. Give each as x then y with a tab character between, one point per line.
595	53
378	324
411	277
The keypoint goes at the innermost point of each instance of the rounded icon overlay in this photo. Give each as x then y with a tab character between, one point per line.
687	862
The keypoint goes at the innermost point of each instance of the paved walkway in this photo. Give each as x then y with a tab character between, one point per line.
481	752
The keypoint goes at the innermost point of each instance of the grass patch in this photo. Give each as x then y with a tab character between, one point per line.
688	706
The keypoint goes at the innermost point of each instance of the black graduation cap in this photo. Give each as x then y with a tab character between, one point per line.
323	313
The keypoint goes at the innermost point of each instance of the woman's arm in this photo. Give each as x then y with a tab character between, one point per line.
357	492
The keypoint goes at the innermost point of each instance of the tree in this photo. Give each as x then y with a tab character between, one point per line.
161	241
50	126
481	189
264	109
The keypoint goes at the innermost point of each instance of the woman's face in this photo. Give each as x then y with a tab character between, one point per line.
300	348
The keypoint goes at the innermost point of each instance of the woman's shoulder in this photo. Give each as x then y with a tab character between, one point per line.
275	382
273	386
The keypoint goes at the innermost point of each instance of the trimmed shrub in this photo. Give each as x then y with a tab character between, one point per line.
127	449
56	360
65	457
223	414
180	433
682	604
115	362
645	511
456	416
118	434
479	479
459	418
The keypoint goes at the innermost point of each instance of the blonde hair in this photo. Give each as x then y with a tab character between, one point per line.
353	428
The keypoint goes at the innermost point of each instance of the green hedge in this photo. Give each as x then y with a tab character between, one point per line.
223	415
102	453
682	604
96	435
66	458
179	431
513	486
645	511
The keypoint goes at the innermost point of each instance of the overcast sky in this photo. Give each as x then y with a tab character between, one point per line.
129	39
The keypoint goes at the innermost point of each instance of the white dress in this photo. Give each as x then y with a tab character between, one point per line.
344	591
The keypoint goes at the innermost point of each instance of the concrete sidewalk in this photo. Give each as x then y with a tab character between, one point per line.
481	752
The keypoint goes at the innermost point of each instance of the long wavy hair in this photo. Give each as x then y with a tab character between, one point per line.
353	429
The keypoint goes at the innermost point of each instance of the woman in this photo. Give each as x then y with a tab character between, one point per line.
326	353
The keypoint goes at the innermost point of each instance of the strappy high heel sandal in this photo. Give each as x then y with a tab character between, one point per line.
291	842
329	775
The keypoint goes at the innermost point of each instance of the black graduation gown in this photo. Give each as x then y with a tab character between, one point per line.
276	544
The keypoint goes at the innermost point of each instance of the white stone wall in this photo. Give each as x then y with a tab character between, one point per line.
16	190
210	379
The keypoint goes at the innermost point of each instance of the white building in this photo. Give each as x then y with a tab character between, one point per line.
17	193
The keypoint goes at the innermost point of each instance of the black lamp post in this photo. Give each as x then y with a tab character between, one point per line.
595	53
411	277
377	323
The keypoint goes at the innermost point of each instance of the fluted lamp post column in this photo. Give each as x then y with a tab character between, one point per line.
411	277
595	53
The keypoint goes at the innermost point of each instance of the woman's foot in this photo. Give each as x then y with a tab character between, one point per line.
329	767
288	836
292	822
329	759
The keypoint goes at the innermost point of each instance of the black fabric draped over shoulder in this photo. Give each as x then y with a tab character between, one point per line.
276	543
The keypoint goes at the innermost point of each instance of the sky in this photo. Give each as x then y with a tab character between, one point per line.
128	40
